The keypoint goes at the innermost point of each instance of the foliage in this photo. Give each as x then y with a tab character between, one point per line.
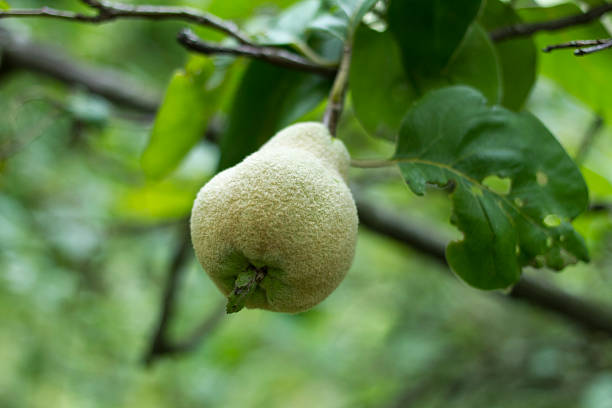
451	138
91	193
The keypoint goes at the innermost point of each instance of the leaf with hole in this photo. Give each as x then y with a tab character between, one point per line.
452	138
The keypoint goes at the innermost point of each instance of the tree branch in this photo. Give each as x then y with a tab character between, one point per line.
273	55
525	29
588	139
596	48
108	11
19	53
159	343
585	47
585	314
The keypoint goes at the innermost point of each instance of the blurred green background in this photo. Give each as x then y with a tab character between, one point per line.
86	242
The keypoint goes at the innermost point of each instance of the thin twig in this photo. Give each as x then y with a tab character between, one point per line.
109	11
584	46
525	29
159	343
200	333
588	139
273	55
335	104
574	44
591	50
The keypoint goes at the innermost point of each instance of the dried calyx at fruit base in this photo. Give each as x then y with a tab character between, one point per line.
278	230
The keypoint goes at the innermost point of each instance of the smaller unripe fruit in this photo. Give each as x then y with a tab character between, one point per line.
278	230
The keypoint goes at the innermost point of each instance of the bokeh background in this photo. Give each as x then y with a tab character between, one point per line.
86	242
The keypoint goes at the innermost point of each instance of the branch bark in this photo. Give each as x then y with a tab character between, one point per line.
584	47
526	29
159	344
109	11
18	53
276	56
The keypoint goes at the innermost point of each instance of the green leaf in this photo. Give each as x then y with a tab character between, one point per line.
88	108
330	24
475	64
429	32
355	10
181	121
268	99
586	78
517	78
167	199
296	26
240	9
382	91
452	138
4	5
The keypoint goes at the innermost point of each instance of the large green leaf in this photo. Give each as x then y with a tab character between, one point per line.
475	64
268	99
382	91
189	103
517	57
452	138
429	32
586	78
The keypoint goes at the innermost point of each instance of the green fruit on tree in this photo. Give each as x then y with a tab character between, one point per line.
278	230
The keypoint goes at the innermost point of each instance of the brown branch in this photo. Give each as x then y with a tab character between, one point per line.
588	139
591	50
584	46
583	313
273	55
19	53
108	11
602	207
192	341
525	29
159	343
